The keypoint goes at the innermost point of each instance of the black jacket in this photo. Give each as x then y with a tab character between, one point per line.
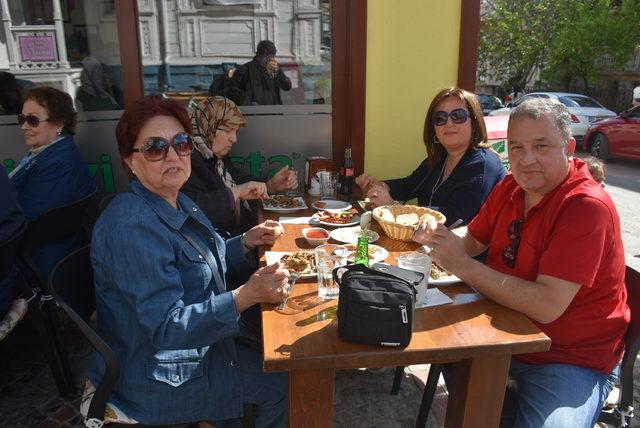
258	87
209	192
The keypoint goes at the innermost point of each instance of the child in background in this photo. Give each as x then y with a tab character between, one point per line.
597	169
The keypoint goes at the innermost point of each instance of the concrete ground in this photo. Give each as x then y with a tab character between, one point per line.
29	398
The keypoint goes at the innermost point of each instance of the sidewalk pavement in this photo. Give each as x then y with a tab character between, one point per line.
29	397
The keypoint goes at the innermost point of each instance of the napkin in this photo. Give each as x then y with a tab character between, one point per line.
295	220
434	297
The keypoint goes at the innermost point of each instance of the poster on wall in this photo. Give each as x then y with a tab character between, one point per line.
37	48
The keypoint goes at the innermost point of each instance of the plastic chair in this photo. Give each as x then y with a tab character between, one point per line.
9	251
52	226
621	413
105	201
71	284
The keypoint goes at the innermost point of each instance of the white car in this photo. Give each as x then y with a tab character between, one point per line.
584	110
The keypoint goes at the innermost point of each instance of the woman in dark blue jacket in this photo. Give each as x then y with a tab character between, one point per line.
53	173
460	169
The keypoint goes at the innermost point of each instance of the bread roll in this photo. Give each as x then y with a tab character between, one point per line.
410	219
387	215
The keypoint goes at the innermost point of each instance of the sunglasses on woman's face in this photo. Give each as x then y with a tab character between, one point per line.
458	116
32	120
156	148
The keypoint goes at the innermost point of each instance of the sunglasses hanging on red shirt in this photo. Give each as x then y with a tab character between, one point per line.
510	252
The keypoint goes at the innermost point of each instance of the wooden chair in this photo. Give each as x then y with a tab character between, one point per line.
71	284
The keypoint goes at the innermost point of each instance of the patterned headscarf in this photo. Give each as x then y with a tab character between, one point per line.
208	116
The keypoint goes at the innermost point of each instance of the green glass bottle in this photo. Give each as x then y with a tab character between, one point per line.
362	251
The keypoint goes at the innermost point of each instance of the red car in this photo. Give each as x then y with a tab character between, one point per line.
618	136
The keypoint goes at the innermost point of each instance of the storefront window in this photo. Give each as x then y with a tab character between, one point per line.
195	48
68	44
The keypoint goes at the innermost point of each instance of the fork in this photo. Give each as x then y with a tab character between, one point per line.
293	279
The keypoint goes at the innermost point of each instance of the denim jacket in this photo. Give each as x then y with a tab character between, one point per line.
164	312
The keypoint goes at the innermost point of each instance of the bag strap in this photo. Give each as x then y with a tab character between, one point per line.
358	267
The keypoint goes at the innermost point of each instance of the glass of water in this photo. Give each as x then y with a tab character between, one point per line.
329	257
417	262
328	184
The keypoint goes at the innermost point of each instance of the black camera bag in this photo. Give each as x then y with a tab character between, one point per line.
376	304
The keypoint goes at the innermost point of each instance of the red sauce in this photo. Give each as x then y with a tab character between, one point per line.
316	234
321	204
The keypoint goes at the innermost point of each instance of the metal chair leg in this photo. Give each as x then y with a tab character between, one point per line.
428	394
397	380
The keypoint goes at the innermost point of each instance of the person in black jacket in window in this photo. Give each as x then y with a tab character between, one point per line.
261	79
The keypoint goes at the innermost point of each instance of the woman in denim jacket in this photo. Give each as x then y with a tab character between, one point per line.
161	295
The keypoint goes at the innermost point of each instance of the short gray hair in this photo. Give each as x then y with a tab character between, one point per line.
537	107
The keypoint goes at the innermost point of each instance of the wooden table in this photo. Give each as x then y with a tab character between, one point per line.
475	334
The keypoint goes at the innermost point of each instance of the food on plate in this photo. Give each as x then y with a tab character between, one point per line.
316	234
320	204
410	219
438	272
300	262
282	201
335	217
373	249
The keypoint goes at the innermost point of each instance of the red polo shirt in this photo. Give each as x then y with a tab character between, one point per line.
573	234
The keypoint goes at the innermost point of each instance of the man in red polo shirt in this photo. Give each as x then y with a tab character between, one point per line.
555	254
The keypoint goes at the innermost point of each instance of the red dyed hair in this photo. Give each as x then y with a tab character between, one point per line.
137	114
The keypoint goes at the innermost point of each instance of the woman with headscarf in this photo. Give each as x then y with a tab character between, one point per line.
222	190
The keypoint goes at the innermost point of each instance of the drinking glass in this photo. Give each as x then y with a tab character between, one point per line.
328	184
329	257
298	191
417	262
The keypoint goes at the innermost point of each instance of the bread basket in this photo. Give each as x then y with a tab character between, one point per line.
398	231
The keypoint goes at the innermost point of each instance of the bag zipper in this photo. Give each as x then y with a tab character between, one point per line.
403	310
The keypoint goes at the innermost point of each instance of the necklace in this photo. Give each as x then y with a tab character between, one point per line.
439	181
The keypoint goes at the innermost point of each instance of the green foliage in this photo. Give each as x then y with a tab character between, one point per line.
565	39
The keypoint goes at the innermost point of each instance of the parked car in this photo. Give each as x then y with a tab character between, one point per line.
618	136
584	110
489	103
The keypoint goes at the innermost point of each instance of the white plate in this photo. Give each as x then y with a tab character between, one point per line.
349	235
354	221
300	199
445	280
379	253
274	256
331	204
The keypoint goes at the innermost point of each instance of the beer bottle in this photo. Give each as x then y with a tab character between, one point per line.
346	174
362	251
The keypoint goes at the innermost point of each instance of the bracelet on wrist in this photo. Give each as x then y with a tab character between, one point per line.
244	243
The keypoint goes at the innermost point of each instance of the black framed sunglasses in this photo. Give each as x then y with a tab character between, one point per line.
458	116
32	120
510	252
156	148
